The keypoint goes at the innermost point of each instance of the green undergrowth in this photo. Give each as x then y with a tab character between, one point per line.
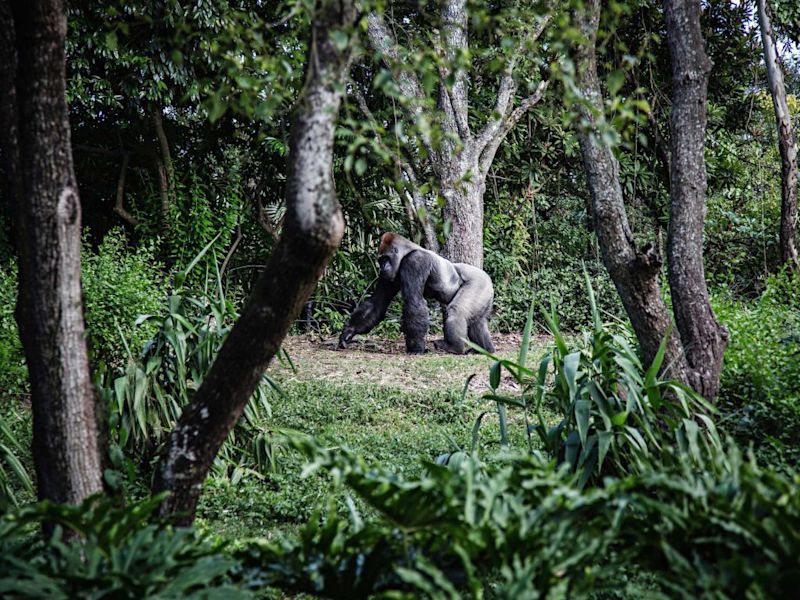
760	386
387	425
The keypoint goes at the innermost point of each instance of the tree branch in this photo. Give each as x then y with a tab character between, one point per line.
490	149
505	94
455	41
384	43
414	200
166	156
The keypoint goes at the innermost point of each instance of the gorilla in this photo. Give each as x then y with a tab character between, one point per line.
464	290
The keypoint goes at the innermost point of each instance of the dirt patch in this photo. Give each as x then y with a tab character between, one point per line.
383	362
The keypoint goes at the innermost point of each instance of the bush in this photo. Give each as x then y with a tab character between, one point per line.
147	398
760	385
119	284
691	520
119	555
520	527
15	480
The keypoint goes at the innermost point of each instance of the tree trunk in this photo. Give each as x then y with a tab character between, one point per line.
47	221
312	231
635	273
702	337
463	210
461	162
165	173
787	144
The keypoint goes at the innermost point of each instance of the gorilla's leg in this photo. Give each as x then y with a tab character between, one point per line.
414	272
478	332
370	312
455	330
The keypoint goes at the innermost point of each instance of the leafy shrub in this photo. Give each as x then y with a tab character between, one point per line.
14	478
13	373
761	361
687	516
520	527
613	411
760	385
119	555
146	400
119	284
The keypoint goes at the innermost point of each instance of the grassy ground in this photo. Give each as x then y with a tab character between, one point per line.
372	398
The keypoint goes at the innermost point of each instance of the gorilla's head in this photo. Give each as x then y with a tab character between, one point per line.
390	255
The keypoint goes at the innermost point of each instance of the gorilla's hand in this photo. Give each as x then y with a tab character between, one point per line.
346	337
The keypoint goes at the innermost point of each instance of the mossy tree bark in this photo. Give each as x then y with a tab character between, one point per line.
703	338
43	194
634	271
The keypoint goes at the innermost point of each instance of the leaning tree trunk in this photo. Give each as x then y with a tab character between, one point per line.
787	144
703	338
47	220
312	231
635	272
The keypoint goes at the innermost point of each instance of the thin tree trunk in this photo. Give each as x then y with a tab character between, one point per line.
635	273
119	204
163	144
787	144
162	180
703	338
312	231
47	221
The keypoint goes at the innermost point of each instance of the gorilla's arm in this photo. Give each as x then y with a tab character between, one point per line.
415	271
370	312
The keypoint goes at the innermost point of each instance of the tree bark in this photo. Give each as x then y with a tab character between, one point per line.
635	272
702	337
787	144
47	220
463	210
312	230
461	162
163	144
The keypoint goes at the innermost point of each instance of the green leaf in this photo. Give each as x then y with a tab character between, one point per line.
615	81
604	439
508	400
494	375
111	41
571	364
618	420
526	338
571	449
582	414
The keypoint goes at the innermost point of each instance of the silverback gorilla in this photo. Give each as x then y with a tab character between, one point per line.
464	290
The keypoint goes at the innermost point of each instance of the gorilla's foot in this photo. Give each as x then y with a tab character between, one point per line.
446	346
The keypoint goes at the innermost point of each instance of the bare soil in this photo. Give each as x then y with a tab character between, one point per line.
384	362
